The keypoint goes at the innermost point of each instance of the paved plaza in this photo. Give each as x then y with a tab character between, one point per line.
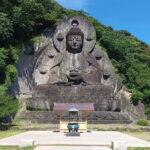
72	148
96	140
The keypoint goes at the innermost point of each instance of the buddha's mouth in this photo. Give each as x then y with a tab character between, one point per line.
75	45
75	75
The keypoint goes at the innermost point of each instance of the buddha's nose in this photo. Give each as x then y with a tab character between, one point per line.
74	42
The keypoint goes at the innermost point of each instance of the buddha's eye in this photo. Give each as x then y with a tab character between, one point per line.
78	38
70	39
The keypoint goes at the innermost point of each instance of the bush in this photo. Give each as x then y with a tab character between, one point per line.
8	106
147	111
136	97
142	122
12	71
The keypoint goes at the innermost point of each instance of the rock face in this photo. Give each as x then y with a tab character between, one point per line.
68	66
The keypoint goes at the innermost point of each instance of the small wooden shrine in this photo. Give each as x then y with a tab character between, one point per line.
62	110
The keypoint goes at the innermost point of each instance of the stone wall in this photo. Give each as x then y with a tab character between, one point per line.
46	95
95	117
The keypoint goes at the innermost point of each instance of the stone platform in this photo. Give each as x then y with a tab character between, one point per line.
95	117
94	139
46	95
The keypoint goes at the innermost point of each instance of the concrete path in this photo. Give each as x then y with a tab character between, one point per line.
49	138
72	148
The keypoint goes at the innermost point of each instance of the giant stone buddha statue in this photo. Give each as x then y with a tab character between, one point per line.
77	66
67	66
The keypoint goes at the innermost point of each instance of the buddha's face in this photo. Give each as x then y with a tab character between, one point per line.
75	43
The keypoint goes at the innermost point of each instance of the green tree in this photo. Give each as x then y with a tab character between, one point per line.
26	16
3	58
6	29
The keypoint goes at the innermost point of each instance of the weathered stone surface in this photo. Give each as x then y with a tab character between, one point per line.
40	117
27	67
108	117
95	117
68	66
46	95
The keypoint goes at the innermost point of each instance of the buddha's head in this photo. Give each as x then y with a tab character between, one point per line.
74	40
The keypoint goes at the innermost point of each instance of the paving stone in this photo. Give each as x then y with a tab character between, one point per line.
95	138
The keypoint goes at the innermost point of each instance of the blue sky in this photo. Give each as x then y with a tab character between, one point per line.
131	15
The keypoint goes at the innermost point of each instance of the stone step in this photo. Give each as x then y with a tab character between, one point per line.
72	148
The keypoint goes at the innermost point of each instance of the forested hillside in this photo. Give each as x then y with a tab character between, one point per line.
24	19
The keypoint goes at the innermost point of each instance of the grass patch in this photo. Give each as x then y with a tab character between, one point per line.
141	135
15	148
28	125
10	132
119	127
139	148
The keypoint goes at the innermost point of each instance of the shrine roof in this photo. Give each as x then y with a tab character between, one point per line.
79	106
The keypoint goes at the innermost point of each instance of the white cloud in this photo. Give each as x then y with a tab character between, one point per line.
74	4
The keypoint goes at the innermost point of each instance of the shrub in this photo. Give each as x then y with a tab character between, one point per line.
147	111
12	71
136	96
8	106
142	122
